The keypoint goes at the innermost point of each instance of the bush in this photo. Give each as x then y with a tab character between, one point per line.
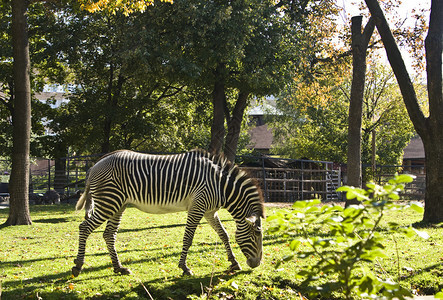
345	242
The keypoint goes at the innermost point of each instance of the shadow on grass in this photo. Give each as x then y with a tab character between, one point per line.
164	226
422	224
122	230
54	220
182	287
142	260
21	289
174	288
425	285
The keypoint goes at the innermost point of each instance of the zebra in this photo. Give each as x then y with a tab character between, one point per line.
197	182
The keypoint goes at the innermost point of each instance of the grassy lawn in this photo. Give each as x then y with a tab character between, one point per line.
36	261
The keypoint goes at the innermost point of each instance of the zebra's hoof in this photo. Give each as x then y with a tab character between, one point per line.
75	271
234	267
187	272
123	271
78	263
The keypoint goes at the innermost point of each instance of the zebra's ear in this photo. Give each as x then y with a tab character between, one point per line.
251	220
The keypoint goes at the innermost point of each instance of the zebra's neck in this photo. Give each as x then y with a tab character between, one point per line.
242	196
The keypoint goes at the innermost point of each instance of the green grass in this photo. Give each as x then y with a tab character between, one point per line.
36	261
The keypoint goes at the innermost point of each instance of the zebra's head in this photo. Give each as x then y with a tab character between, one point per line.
243	198
249	236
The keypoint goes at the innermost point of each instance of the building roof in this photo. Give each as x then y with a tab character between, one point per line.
261	137
414	149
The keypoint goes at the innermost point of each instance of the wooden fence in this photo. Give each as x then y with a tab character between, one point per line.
284	180
414	190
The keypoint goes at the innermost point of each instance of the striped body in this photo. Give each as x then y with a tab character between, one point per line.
196	182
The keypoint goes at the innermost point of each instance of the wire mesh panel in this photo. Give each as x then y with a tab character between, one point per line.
286	180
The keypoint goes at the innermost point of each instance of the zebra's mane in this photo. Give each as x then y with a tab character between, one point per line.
227	167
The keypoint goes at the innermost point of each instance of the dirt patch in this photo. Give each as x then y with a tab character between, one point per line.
289	204
278	204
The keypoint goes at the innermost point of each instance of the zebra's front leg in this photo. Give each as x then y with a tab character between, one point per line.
214	221
194	218
110	235
85	229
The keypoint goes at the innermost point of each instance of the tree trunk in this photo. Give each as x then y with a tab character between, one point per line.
429	129
218	119
360	43
59	156
60	179
111	107
234	126
433	142
106	144
434	183
21	119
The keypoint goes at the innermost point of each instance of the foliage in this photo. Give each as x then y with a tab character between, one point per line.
315	117
252	39
43	66
238	50
144	81
126	6
346	242
121	95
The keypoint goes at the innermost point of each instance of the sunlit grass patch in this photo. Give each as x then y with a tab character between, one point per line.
37	260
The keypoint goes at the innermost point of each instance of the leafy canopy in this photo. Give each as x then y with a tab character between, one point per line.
113	6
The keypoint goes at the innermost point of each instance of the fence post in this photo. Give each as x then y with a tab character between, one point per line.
49	174
67	174
302	180
264	178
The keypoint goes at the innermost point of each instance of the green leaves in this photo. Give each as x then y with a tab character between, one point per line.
346	241
417	207
352	192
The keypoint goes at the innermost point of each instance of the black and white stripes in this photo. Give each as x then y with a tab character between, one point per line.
195	181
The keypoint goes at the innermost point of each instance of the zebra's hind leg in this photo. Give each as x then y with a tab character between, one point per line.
110	235
85	229
214	221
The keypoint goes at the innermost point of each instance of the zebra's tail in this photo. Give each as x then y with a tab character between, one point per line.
85	198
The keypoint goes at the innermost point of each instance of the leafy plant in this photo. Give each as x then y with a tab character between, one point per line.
346	243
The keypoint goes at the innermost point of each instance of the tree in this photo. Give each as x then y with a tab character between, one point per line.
21	119
45	68
236	50
126	6
123	94
314	117
429	128
360	42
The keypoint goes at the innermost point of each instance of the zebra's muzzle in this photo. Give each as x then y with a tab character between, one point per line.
253	262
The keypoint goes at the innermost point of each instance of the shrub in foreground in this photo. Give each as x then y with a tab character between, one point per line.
345	243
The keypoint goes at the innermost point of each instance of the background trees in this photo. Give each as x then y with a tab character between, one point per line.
235	50
183	57
314	118
121	95
428	127
179	76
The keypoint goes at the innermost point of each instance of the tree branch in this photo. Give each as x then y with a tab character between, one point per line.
433	45
398	66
